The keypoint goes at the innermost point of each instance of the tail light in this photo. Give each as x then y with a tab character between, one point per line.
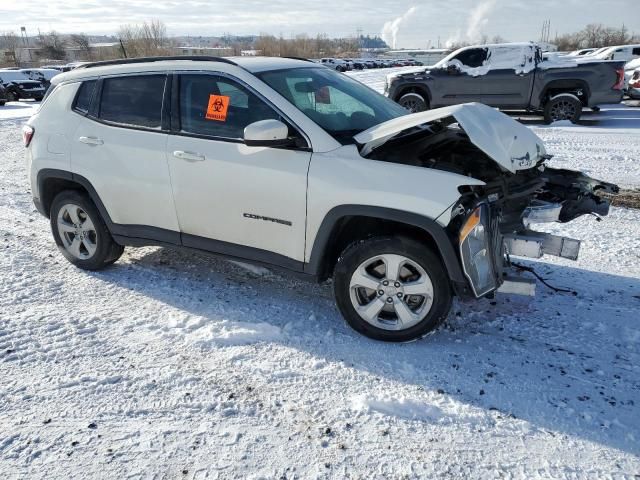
619	85
27	134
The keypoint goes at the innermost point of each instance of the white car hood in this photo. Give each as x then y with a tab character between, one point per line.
509	143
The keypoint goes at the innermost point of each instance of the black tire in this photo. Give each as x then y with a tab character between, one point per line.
11	97
107	250
564	106
358	253
2	102
414	102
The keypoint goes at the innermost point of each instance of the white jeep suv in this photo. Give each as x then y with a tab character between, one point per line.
290	164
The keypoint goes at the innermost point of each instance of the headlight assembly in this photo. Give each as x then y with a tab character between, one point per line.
476	252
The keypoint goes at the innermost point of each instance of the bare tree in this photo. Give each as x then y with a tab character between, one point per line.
595	35
51	46
82	42
146	40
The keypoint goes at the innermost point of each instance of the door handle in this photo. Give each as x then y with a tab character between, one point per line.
91	140
189	156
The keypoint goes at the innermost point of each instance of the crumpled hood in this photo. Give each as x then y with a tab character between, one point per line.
512	145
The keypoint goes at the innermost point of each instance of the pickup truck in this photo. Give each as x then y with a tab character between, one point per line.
513	76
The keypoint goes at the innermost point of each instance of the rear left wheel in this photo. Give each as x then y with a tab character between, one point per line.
564	106
80	232
391	289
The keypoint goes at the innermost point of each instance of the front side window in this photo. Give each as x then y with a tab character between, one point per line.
216	106
474	57
341	106
133	100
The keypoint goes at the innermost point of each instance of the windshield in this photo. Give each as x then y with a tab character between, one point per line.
340	105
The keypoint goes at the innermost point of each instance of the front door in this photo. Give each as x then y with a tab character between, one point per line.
231	198
462	79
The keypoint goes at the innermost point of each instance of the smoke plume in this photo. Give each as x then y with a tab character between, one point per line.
391	28
478	18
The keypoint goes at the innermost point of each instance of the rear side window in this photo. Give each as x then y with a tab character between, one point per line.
133	100
219	107
636	51
83	97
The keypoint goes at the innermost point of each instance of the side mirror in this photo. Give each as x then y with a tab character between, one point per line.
267	133
453	69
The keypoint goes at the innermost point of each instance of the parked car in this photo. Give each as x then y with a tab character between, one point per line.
582	51
286	163
629	69
3	96
511	77
336	64
19	87
634	85
40	74
620	52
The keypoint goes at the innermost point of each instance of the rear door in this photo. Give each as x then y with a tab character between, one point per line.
120	148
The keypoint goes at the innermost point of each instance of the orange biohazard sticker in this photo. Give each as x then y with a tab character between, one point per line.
217	108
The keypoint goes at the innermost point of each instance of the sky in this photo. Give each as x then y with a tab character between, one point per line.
407	24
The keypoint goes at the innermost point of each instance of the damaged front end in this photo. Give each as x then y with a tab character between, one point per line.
492	222
511	205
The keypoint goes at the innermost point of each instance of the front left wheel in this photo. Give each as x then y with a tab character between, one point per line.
80	232
413	102
392	289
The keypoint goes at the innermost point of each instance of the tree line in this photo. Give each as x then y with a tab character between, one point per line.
596	35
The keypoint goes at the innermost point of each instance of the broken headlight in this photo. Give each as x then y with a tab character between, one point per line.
476	252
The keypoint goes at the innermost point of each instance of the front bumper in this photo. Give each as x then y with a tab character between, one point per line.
497	226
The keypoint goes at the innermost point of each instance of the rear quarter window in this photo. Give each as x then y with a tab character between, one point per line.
83	97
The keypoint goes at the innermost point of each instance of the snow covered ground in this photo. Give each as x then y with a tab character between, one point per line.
175	365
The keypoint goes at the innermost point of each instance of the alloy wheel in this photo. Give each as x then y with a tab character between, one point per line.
563	110
391	292
77	231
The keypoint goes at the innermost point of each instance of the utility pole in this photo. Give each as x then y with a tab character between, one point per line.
25	40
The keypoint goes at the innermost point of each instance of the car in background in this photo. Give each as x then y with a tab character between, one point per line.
634	85
3	96
54	67
582	51
42	75
511	76
20	87
336	64
620	52
629	69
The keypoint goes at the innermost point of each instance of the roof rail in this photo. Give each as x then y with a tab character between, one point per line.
125	61
299	58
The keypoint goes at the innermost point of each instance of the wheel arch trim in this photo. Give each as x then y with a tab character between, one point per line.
429	226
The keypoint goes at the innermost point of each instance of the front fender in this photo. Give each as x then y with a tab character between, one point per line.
429	226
